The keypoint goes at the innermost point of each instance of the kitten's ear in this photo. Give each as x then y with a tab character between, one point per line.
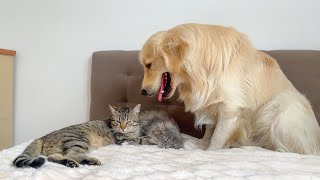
137	108
113	109
161	126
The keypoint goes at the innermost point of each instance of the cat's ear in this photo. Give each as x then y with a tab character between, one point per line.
161	126
137	108
113	109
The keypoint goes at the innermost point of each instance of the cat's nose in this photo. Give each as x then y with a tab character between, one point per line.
144	92
123	126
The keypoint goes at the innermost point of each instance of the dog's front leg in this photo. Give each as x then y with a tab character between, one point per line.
204	142
227	124
208	133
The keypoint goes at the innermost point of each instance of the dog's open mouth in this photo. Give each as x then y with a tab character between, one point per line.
165	87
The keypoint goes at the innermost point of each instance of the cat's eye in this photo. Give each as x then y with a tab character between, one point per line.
148	65
132	123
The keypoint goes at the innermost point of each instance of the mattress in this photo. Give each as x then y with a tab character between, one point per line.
151	162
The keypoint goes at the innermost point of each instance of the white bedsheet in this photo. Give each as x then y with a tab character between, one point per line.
150	162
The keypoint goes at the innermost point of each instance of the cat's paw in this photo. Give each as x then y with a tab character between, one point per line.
119	142
132	143
70	163
91	162
63	160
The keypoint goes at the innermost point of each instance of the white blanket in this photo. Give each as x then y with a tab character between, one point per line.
150	162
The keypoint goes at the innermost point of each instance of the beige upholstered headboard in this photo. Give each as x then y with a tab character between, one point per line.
117	76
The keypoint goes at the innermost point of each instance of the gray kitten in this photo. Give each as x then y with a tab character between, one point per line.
68	146
160	129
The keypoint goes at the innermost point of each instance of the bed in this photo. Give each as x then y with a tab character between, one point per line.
115	79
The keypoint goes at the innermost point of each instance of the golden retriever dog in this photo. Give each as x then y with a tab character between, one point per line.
229	84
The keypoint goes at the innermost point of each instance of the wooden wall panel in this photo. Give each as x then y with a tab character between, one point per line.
6	99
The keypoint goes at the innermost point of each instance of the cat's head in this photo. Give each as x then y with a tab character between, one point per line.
125	120
165	136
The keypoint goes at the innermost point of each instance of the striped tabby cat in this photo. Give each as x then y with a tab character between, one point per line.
68	146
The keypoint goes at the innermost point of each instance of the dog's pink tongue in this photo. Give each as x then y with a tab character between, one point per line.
161	90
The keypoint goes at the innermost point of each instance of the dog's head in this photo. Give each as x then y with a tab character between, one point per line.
162	58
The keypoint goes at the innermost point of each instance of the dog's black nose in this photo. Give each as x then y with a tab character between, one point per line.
143	92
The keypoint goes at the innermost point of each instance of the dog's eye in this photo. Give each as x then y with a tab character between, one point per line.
148	65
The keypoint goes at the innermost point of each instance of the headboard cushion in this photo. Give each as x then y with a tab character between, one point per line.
117	75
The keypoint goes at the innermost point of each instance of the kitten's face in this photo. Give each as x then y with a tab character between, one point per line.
125	120
165	138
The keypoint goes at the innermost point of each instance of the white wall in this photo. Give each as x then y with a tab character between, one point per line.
55	39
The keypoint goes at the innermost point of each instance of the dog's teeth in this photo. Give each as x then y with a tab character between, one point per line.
162	91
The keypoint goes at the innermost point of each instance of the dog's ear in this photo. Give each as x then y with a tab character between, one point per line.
173	50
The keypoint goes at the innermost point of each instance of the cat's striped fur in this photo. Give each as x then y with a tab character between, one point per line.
126	126
68	146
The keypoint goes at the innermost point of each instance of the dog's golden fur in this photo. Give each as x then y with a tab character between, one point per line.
229	84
